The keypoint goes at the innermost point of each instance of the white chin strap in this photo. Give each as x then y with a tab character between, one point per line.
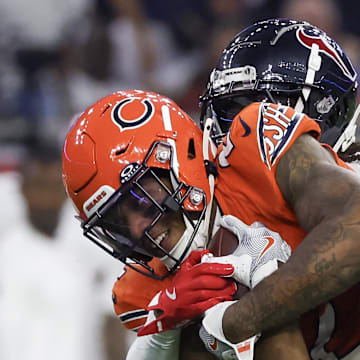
201	238
314	64
199	242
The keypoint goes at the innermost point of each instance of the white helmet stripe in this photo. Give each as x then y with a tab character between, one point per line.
166	118
168	127
314	64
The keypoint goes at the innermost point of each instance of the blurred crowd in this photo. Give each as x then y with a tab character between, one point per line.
57	58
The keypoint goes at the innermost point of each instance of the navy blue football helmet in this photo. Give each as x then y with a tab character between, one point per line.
289	62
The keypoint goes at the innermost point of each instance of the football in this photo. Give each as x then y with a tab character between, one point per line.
223	243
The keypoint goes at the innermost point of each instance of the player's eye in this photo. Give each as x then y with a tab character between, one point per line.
136	201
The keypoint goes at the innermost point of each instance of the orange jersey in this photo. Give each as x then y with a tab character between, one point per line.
246	187
133	291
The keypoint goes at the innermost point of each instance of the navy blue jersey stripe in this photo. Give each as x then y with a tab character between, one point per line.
129	315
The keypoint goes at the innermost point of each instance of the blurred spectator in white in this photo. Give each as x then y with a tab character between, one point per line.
55	288
10	195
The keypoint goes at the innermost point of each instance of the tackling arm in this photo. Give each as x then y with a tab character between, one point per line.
326	200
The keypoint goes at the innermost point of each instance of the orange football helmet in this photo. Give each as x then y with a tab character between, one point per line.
113	146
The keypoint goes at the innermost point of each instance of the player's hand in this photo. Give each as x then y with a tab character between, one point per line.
214	339
258	253
196	287
216	347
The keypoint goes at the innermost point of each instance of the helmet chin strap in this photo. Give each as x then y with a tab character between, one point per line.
314	64
207	142
201	238
199	242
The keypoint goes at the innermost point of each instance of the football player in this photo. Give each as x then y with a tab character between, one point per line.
256	175
134	168
294	64
278	79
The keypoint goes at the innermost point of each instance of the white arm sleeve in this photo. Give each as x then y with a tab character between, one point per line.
162	346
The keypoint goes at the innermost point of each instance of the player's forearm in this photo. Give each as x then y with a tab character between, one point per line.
282	344
324	265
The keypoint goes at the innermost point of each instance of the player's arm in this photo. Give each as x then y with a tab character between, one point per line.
282	344
326	200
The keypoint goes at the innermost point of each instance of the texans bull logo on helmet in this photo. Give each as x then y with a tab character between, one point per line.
328	47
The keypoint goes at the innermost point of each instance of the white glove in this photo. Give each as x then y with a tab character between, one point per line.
216	347
221	347
258	252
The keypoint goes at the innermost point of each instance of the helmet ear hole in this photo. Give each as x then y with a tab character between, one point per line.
191	150
121	150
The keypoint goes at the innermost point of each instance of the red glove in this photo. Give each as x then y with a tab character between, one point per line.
195	288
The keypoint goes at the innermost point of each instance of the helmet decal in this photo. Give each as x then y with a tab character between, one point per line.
124	122
128	172
325	46
228	147
97	199
276	127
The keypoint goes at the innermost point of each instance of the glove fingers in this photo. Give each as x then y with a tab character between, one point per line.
258	224
209	303
212	269
208	282
194	258
230	221
205	295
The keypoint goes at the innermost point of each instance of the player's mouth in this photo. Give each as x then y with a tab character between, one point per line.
160	238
